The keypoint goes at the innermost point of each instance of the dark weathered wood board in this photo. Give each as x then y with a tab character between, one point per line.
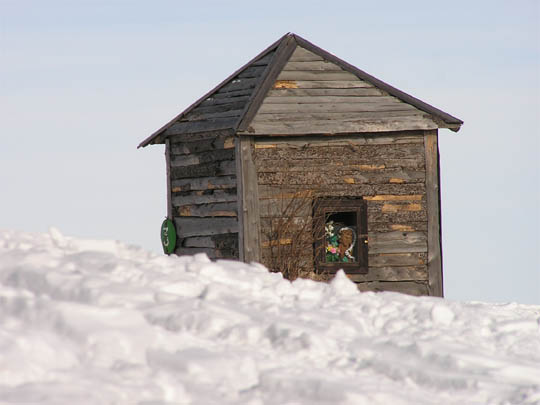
218	209
434	214
189	226
204	183
219	246
222	168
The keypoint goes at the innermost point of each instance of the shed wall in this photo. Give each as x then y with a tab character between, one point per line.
203	193
388	171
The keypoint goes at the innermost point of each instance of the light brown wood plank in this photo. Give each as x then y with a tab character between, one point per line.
412	137
312	65
329	100
301	54
314	75
337	116
353	92
321	84
340	127
388	105
251	232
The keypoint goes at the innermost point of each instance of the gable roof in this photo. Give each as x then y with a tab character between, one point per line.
234	103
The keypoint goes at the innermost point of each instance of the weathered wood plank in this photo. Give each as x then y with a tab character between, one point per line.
360	190
301	54
240	84
350	92
203	197
187	226
397	259
239	197
220	209
415	288
250	203
204	183
433	214
316	76
340	140
187	146
202	157
231	105
349	151
202	126
200	136
398	217
318	65
168	171
339	107
265	60
226	245
320	84
397	242
326	124
211	101
195	116
329	99
199	241
386	227
344	176
232	94
405	273
223	168
360	165
252	71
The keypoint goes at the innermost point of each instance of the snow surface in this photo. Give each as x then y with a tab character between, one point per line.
101	322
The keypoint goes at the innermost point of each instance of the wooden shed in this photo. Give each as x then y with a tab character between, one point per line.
299	160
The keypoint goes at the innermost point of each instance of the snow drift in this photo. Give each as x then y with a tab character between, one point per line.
100	322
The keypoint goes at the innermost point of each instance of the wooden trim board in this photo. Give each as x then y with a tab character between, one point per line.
249	235
434	214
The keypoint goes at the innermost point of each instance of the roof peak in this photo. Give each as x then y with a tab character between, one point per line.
275	57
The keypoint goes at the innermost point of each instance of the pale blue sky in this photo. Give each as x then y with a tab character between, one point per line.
83	82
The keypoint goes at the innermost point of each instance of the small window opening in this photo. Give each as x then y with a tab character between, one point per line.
340	235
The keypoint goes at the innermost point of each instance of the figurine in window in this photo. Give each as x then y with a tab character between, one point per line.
347	240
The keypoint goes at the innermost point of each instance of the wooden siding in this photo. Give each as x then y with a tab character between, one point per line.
388	171
223	108
314	96
203	193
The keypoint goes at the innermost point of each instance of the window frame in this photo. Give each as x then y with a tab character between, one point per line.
323	207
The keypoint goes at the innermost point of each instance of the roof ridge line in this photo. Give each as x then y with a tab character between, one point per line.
284	51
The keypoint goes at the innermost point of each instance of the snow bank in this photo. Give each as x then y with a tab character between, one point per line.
100	322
